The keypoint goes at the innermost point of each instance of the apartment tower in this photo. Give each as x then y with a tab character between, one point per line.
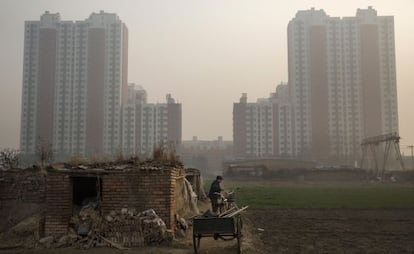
342	78
74	84
341	89
147	126
263	129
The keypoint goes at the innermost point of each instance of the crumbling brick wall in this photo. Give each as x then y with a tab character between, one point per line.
141	188
58	202
22	193
146	188
23	185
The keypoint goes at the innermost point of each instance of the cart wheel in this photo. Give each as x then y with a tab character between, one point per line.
241	224
196	244
239	247
239	234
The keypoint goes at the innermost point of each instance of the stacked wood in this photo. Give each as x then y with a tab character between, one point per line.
228	211
233	213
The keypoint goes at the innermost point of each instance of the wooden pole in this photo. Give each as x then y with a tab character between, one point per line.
236	212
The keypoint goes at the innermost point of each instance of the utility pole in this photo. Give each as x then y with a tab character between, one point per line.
412	155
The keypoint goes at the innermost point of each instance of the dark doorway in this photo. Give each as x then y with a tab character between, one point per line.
86	190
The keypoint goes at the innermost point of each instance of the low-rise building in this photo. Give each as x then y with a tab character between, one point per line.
206	155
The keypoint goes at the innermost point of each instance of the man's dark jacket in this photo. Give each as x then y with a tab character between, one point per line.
215	187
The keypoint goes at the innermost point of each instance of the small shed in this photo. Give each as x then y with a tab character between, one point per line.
139	187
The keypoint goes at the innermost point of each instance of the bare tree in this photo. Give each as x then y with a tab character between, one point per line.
44	153
9	158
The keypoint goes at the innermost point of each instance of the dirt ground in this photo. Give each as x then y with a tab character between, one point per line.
335	230
297	231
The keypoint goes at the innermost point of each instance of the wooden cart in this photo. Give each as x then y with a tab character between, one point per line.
224	228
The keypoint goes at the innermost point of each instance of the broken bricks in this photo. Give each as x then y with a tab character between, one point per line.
119	229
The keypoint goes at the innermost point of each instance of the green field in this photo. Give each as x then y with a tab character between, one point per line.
376	196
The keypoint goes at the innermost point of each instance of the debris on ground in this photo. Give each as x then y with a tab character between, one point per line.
24	234
86	224
124	164
120	229
46	241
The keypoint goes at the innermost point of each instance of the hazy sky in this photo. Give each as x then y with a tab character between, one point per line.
205	52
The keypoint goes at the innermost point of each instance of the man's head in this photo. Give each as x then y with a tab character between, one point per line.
219	178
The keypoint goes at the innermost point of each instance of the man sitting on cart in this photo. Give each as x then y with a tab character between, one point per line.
215	193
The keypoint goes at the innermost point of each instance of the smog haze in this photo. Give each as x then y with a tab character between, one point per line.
205	53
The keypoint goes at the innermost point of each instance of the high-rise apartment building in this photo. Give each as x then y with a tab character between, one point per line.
74	84
149	125
342	78
263	128
341	89
160	125
131	120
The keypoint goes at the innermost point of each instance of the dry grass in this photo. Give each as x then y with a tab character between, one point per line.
161	154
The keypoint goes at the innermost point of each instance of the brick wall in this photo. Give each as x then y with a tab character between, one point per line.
58	203
22	193
142	189
22	185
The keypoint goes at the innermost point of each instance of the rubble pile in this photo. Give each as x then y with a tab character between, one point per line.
124	228
24	234
124	164
132	229
120	228
84	229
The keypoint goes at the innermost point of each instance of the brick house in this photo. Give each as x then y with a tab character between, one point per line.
142	188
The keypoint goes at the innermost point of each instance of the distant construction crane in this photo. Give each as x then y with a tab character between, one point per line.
369	145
